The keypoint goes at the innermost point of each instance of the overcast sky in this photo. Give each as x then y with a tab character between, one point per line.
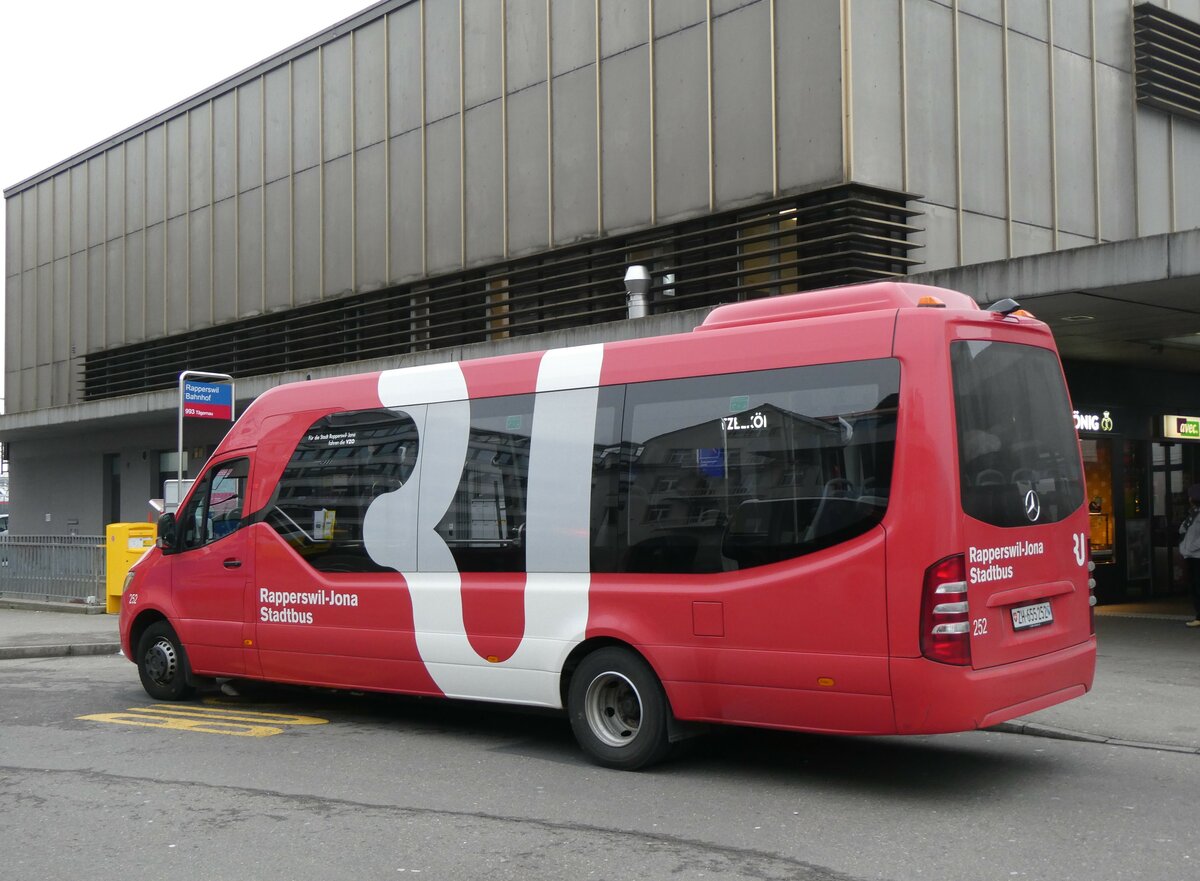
75	72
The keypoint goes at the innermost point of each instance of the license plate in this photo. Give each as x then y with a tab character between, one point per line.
1024	617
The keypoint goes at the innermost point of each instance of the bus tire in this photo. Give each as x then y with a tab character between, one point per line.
162	664
618	710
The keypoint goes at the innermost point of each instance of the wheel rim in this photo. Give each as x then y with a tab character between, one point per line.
162	662
614	709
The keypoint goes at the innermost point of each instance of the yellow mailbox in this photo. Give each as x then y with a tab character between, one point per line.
125	545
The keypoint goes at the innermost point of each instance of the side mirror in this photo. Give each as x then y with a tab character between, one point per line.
166	532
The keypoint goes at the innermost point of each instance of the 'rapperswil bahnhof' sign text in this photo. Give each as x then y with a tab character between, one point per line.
207	400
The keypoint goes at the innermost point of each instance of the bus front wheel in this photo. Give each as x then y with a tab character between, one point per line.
162	664
618	710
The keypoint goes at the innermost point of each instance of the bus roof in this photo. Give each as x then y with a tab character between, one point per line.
870	297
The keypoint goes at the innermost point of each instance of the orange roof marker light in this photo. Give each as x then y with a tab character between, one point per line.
1008	307
930	300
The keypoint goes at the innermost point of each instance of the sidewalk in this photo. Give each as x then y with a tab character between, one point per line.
1146	692
32	632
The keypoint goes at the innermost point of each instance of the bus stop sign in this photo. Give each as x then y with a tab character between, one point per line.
207	400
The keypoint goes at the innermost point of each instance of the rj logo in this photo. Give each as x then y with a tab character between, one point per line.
1081	548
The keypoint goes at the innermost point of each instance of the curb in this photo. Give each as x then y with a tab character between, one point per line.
75	608
14	652
1034	729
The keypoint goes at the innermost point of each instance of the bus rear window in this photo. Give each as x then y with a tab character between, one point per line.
1015	435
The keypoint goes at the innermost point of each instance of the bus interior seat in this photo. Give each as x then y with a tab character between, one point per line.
1024	476
666	552
766	530
226	522
838	509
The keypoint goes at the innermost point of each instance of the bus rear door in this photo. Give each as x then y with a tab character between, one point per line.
1025	559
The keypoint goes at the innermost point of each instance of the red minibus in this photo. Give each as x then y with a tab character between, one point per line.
853	511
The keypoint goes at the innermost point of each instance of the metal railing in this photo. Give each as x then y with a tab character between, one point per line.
52	567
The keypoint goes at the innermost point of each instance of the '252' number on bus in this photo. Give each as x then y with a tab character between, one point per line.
979	627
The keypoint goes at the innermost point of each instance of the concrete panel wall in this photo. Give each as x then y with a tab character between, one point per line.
50	479
743	139
57	488
1155	135
1118	168
626	137
423	140
984	181
877	102
430	137
1017	119
931	127
809	83
681	123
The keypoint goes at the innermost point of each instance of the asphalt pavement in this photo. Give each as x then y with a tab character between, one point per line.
1146	692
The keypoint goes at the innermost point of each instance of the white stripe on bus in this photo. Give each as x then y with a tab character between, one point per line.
558	510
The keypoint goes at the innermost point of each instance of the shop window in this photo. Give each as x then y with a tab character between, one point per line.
1137	519
1098	471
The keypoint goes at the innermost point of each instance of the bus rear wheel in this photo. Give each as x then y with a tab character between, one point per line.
618	710
162	664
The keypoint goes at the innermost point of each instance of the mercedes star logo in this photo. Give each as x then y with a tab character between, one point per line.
1033	506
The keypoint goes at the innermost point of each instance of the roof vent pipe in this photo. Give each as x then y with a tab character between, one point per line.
637	291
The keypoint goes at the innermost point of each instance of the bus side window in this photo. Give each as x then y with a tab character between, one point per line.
215	509
485	526
610	462
740	470
342	464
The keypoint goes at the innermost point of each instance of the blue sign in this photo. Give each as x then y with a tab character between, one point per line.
711	461
207	400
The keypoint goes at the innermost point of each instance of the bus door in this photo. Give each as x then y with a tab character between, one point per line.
212	569
1025	562
323	610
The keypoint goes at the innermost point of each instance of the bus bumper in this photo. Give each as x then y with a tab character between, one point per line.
933	698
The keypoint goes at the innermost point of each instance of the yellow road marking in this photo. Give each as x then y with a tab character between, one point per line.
184	724
230	715
206	720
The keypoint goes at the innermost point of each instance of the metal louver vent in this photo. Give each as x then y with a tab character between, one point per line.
843	234
1167	60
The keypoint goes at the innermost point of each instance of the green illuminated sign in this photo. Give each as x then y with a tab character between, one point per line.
1181	427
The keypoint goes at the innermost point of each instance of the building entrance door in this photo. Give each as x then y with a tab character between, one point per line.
1174	467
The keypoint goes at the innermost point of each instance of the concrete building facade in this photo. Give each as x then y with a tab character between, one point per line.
433	178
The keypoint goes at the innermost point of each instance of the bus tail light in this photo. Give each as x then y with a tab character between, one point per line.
1091	567
945	619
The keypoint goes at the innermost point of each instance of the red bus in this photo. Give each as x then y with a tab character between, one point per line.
854	511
